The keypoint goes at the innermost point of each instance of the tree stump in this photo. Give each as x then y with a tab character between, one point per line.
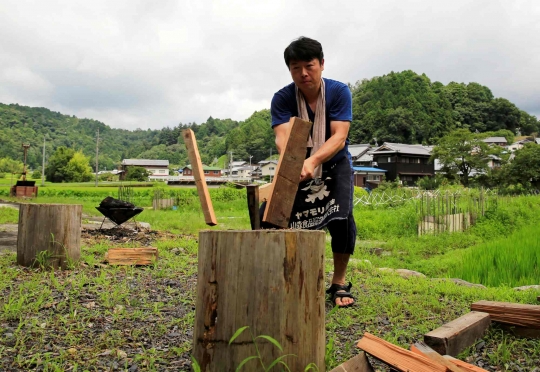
269	280
49	235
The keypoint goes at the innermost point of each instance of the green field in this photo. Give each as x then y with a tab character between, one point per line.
43	308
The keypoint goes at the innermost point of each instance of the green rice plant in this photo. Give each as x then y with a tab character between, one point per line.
510	261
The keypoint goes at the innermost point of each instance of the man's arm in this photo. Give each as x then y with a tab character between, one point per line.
282	133
339	131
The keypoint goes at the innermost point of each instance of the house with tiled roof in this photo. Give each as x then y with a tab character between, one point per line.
208	171
408	162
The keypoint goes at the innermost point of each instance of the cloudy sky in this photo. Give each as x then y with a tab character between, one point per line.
149	64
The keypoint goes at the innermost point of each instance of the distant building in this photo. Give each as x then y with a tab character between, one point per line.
368	176
500	141
156	168
268	167
208	171
360	155
408	162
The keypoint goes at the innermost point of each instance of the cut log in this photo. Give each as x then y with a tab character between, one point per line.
359	363
454	337
510	313
132	256
49	235
422	349
253	206
269	280
198	175
397	357
464	365
280	203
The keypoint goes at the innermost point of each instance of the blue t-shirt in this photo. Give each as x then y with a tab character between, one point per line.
338	108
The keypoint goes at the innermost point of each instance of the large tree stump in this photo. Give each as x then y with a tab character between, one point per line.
49	235
269	280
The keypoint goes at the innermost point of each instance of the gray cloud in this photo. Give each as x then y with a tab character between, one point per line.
140	64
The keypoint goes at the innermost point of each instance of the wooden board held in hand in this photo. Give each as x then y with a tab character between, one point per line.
285	185
198	175
132	256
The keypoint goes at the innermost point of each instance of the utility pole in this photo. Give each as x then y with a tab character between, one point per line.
97	154
271	160
43	164
230	165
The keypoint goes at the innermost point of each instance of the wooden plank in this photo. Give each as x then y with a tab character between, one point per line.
198	175
397	357
265	191
510	313
253	206
359	363
464	365
521	331
287	177
422	349
132	256
454	337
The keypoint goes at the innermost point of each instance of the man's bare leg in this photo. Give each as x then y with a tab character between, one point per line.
341	261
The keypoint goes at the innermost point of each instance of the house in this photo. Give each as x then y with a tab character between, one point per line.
518	145
408	162
368	176
156	168
208	171
500	141
268	167
360	155
242	172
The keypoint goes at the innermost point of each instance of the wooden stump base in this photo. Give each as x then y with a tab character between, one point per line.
269	280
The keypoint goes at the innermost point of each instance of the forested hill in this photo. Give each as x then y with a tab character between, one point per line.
408	108
399	107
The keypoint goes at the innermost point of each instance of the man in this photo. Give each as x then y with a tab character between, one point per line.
324	197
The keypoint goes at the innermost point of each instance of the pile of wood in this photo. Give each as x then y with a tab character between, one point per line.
440	346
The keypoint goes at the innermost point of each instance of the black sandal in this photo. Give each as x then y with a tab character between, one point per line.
333	293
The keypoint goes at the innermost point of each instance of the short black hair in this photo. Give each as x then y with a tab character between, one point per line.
303	49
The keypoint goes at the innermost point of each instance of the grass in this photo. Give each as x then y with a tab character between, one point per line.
8	215
98	317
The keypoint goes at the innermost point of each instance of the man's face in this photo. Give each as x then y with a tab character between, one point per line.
307	75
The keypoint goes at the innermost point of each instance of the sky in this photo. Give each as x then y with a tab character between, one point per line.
151	64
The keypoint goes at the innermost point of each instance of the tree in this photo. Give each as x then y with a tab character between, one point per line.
461	152
8	165
78	169
525	168
137	174
54	172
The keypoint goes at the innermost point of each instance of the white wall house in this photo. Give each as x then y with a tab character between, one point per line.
268	167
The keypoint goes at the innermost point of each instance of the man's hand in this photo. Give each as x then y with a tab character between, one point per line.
308	169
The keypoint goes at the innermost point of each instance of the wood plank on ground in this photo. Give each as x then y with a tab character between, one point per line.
522	315
198	175
287	176
132	256
397	357
359	363
422	349
454	337
464	365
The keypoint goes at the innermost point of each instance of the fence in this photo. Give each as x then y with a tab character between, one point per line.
439	210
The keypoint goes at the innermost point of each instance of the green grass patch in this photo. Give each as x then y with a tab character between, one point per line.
8	215
511	261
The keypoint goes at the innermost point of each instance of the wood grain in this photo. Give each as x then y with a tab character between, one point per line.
454	337
464	365
422	349
397	357
269	280
253	206
54	229
510	313
132	256
287	177
359	363
198	175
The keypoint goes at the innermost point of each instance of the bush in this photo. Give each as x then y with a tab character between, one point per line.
36	175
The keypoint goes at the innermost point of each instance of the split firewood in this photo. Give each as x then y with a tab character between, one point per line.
132	256
422	349
397	357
